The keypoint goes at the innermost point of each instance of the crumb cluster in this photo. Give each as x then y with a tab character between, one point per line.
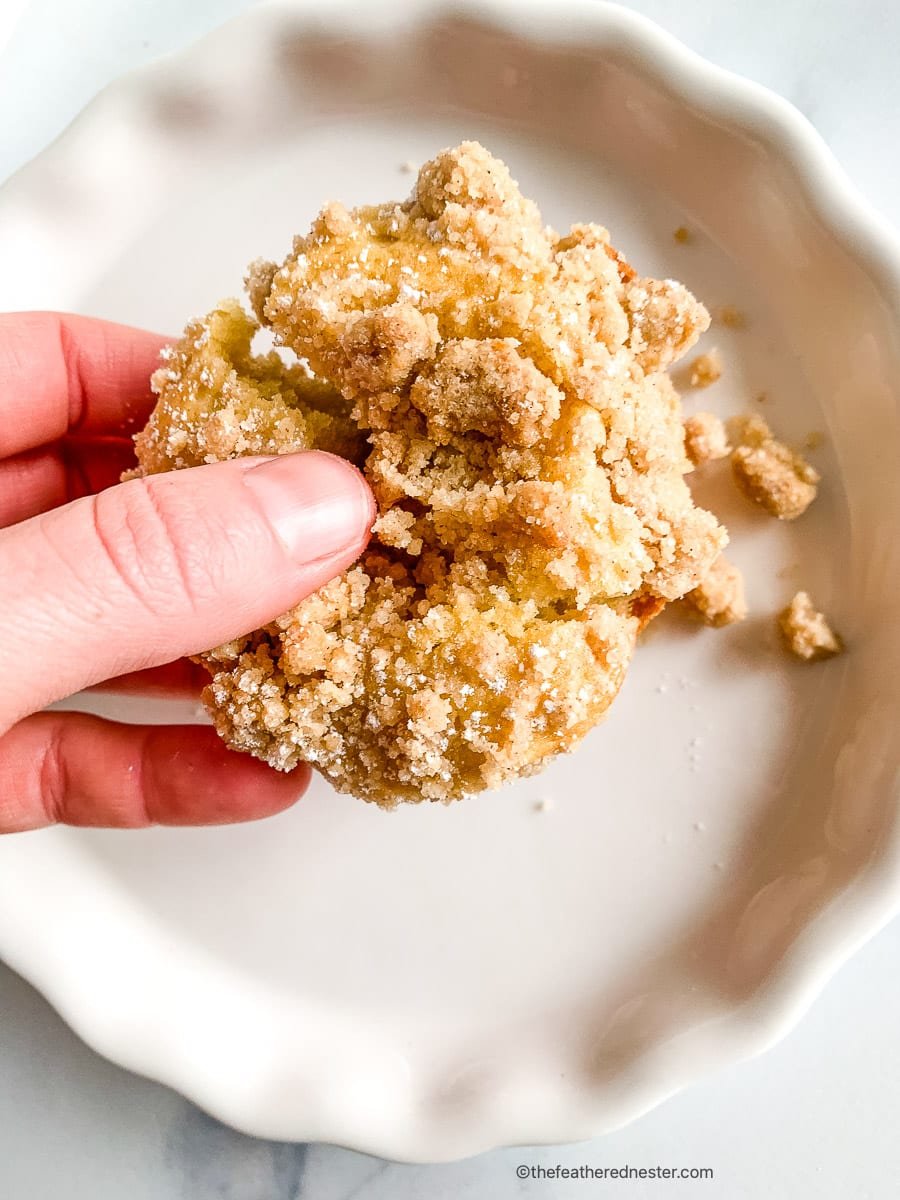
769	472
719	596
784	484
219	400
705	438
806	631
706	369
504	390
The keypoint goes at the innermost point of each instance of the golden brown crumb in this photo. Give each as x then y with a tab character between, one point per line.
527	455
705	438
731	317
706	369
218	400
769	473
806	631
683	235
719	596
813	440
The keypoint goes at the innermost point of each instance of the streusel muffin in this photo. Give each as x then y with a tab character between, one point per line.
504	390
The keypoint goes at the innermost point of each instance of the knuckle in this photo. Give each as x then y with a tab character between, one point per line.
52	774
150	543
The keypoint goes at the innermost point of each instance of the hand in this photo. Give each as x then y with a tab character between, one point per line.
100	578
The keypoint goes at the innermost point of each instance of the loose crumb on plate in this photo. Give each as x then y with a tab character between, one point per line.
683	235
706	369
705	438
730	317
768	472
806	631
813	440
719	597
408	167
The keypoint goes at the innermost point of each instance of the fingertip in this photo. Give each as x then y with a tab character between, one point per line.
355	479
318	504
190	777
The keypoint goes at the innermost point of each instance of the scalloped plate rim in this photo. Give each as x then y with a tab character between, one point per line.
854	915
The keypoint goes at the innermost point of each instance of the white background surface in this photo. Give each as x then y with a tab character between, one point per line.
818	1115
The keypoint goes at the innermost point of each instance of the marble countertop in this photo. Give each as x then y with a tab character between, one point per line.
815	1116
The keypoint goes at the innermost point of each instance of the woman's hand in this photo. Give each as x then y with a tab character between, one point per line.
100	579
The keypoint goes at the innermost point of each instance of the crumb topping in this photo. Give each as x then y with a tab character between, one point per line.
719	596
806	631
705	438
706	369
769	473
218	400
503	389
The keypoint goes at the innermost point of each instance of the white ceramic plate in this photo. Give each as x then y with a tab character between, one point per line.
432	982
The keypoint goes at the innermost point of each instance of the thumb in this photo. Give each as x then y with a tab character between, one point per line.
169	565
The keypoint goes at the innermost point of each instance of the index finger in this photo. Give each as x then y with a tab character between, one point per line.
65	374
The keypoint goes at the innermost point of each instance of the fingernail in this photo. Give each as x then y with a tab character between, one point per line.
317	504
